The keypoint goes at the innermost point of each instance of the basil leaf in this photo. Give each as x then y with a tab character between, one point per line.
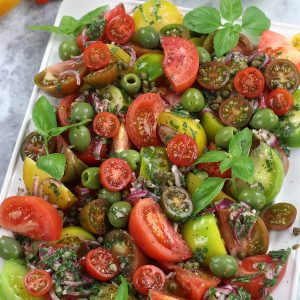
241	143
203	20
122	292
211	156
43	116
53	164
243	168
59	130
255	21
48	28
231	9
225	164
88	18
206	192
68	24
225	39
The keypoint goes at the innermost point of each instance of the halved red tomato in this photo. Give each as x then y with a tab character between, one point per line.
106	124
116	11
280	101
141	120
213	170
38	282
96	55
181	62
154	234
64	109
158	295
31	216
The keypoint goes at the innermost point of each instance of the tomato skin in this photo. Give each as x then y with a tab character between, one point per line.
64	109
116	11
141	120
213	170
96	55
106	124
38	277
180	63
148	277
280	101
154	234
157	295
249	82
31	216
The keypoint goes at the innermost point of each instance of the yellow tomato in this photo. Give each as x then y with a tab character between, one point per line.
75	231
7	5
296	41
59	195
118	53
157	14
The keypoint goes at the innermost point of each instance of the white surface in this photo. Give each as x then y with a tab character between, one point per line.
289	193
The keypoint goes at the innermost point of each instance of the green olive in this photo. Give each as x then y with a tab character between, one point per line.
264	118
111	197
177	30
131	83
80	138
118	214
192	100
223	265
296	96
90	178
224	136
147	37
67	49
132	157
253	197
204	55
9	248
82	111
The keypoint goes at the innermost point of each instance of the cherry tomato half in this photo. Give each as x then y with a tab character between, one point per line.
106	124
96	55
64	109
38	282
280	101
148	277
213	170
116	11
101	264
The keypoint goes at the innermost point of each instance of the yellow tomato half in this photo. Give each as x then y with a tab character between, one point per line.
296	41
7	5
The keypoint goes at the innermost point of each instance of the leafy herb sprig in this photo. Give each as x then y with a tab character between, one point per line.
237	158
44	119
207	20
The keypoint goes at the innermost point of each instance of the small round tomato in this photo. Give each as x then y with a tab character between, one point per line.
213	169
101	264
38	282
249	82
115	174
235	111
280	216
106	124
31	216
116	11
182	150
96	55
141	120
148	277
180	63
244	46
120	29
64	109
280	101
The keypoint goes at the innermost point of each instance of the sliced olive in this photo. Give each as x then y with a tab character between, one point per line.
93	216
282	73
235	111
176	203
175	30
213	75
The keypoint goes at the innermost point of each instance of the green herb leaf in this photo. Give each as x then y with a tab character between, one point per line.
88	18
53	164
122	292
211	156
206	192
243	168
68	24
231	10
48	28
203	20
59	130
225	40
241	143
255	21
43	116
225	164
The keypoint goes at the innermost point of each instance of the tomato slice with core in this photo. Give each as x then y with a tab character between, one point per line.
280	101
38	282
106	124
96	55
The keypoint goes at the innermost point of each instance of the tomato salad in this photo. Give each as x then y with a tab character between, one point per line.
152	174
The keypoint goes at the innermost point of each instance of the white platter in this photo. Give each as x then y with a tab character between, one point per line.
288	289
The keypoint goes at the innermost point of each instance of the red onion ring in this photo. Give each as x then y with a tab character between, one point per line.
97	150
73	73
132	54
45	181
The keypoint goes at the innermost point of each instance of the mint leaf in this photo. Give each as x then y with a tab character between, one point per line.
211	156
43	116
225	39
241	143
243	168
225	164
59	130
203	20
122	292
206	192
255	21
48	28
53	164
231	10
68	24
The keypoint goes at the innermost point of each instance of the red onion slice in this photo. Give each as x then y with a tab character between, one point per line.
137	195
132	54
266	136
97	150
35	189
177	175
53	295
72	73
45	181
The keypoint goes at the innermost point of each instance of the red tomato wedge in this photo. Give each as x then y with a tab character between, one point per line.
96	55
181	62
31	216
116	11
106	124
64	109
158	295
141	120
279	46
38	282
154	234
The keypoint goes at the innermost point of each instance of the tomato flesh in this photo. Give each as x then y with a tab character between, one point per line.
96	55
158	295
116	11
106	124
64	109
38	282
213	170
280	101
